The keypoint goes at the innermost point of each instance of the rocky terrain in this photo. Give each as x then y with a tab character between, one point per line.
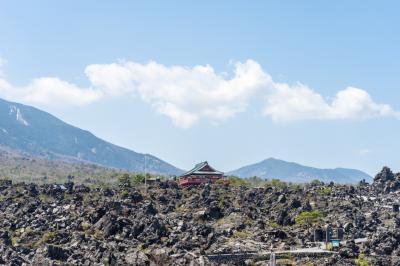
169	225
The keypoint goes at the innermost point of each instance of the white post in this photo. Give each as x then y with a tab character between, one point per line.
272	259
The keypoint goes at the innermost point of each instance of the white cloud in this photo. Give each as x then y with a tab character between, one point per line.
182	93
49	92
179	117
299	102
355	103
189	94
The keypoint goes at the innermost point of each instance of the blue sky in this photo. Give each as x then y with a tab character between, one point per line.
315	82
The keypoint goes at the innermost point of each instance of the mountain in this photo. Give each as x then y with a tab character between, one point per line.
37	133
293	172
26	168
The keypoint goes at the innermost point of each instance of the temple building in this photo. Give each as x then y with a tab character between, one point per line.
200	174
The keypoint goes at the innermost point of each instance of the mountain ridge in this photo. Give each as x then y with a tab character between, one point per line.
36	132
297	173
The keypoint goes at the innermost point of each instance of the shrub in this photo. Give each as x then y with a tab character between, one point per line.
138	178
316	182
256	181
48	236
325	191
13	240
237	181
362	261
240	234
277	183
272	224
124	194
98	234
85	226
124	180
309	218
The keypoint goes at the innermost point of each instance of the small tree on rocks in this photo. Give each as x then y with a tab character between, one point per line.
124	180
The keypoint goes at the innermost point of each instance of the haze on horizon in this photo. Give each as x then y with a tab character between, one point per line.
229	83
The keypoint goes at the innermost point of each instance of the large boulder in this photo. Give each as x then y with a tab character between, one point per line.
213	211
384	175
57	253
386	181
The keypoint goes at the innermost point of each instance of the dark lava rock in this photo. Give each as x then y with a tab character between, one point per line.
295	203
384	175
150	209
32	190
136	197
386	181
69	186
213	211
350	250
57	253
170	225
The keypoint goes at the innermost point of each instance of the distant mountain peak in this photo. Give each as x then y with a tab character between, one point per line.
297	173
270	159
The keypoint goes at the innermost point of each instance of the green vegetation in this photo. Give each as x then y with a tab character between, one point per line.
124	180
248	221
325	191
235	181
277	183
13	240
11	237
48	236
241	234
124	194
255	181
296	186
39	170
272	224
221	197
221	221
316	182
362	261
45	198
309	218
139	178
85	226
98	234
185	194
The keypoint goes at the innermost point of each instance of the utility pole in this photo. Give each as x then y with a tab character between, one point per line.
145	172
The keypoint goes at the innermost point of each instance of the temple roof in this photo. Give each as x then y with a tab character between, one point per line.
203	168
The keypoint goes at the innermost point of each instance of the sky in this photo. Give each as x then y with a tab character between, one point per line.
230	82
